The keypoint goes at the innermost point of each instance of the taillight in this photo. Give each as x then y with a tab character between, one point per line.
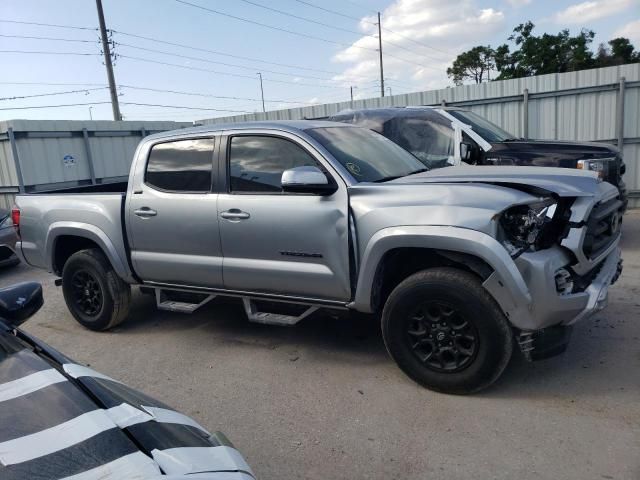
15	218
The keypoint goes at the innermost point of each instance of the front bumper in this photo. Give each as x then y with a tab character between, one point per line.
547	307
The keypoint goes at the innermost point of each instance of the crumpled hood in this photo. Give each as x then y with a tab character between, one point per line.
561	181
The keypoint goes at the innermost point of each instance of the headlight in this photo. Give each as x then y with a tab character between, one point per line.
599	165
524	225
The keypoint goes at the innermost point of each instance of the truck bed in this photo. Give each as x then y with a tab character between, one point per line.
93	213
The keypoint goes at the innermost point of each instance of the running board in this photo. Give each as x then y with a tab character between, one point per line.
163	302
273	318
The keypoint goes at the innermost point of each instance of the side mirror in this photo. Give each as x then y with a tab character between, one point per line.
19	302
465	151
306	180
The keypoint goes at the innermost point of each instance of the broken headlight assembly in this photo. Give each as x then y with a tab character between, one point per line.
528	227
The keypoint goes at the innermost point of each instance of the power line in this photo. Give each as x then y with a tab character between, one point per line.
49	53
58	84
49	25
200	59
416	42
294	33
215	52
303	18
56	106
360	5
84	90
183	107
242	19
124	103
207	95
238	75
328	10
48	38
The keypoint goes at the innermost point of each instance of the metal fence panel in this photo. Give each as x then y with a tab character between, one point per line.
581	106
51	153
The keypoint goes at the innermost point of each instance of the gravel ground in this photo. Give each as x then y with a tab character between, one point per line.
323	399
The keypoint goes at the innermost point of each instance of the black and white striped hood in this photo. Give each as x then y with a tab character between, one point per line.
60	420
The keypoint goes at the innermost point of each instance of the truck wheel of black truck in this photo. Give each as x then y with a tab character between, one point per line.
446	332
95	295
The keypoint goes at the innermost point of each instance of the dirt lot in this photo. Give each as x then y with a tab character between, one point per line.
323	400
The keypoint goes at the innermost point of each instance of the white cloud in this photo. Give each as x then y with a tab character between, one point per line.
591	10
518	3
430	33
631	31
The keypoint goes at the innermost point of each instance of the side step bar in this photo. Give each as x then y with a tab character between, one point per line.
273	318
184	304
163	302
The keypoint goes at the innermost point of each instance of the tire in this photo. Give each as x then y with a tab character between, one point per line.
95	295
446	332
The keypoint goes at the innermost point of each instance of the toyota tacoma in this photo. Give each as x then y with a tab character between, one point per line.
291	217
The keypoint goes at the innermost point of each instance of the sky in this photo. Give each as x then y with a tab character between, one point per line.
201	58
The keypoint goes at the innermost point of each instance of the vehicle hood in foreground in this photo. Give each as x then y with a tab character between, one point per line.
60	419
561	181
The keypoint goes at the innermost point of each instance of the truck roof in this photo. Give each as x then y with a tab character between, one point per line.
293	126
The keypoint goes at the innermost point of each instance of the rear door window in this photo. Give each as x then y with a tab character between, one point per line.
181	166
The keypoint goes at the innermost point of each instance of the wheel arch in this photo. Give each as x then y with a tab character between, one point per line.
66	238
428	246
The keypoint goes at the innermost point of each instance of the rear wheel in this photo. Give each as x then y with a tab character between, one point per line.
446	332
95	295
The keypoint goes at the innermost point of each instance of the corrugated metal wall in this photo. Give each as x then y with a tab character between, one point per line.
565	106
52	153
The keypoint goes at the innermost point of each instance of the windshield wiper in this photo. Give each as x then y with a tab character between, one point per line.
394	177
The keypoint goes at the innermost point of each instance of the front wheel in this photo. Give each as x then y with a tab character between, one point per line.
446	332
95	295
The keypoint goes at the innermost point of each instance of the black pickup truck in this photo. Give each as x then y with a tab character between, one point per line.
444	136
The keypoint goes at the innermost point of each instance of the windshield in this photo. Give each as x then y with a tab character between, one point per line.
483	127
367	155
430	140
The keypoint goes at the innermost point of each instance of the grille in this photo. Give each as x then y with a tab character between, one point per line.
611	172
603	227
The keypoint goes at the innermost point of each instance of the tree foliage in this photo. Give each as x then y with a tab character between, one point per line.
475	64
532	54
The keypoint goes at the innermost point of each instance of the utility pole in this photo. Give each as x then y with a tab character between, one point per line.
380	51
107	62
262	93
351	89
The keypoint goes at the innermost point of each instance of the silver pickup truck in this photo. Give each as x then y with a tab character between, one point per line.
459	263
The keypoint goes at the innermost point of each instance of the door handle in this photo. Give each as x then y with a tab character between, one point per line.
145	212
235	214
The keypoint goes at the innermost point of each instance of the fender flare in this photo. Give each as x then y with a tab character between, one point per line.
506	284
90	232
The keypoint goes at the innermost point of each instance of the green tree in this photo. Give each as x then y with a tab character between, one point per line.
531	54
547	53
475	64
